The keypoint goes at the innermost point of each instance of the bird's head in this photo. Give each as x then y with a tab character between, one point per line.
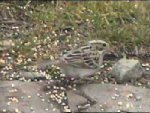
99	45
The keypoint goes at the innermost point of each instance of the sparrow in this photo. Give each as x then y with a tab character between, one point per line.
83	61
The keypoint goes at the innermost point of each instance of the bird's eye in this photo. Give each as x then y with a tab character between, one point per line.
104	45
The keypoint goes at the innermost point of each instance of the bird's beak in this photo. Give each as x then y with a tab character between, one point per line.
111	51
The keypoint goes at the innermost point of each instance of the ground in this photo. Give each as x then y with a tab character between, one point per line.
34	33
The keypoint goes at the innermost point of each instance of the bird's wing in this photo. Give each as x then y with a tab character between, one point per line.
82	58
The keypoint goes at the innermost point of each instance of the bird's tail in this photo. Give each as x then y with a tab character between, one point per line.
43	65
48	64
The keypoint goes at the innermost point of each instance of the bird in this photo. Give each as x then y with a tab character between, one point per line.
83	61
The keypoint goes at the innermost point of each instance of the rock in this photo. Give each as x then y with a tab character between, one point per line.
127	70
113	98
25	97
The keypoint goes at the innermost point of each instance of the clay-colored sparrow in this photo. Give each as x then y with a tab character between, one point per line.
83	61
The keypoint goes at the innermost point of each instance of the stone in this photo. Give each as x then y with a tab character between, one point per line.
22	97
125	98
127	70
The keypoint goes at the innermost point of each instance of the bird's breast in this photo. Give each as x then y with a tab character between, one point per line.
78	72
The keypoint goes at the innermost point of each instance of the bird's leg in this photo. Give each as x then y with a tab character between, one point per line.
88	80
85	105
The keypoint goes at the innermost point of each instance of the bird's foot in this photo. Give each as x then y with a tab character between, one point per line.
85	105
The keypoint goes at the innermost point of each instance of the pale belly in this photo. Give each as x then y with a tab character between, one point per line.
78	72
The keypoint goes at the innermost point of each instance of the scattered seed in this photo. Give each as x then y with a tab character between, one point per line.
54	109
140	107
118	110
139	84
130	95
114	98
138	98
127	105
120	103
29	96
46	109
74	89
43	100
4	110
67	110
38	94
100	105
143	65
17	110
12	85
116	95
31	108
63	104
102	109
8	103
116	89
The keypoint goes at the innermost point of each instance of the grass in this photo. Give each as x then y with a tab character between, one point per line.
70	23
114	21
